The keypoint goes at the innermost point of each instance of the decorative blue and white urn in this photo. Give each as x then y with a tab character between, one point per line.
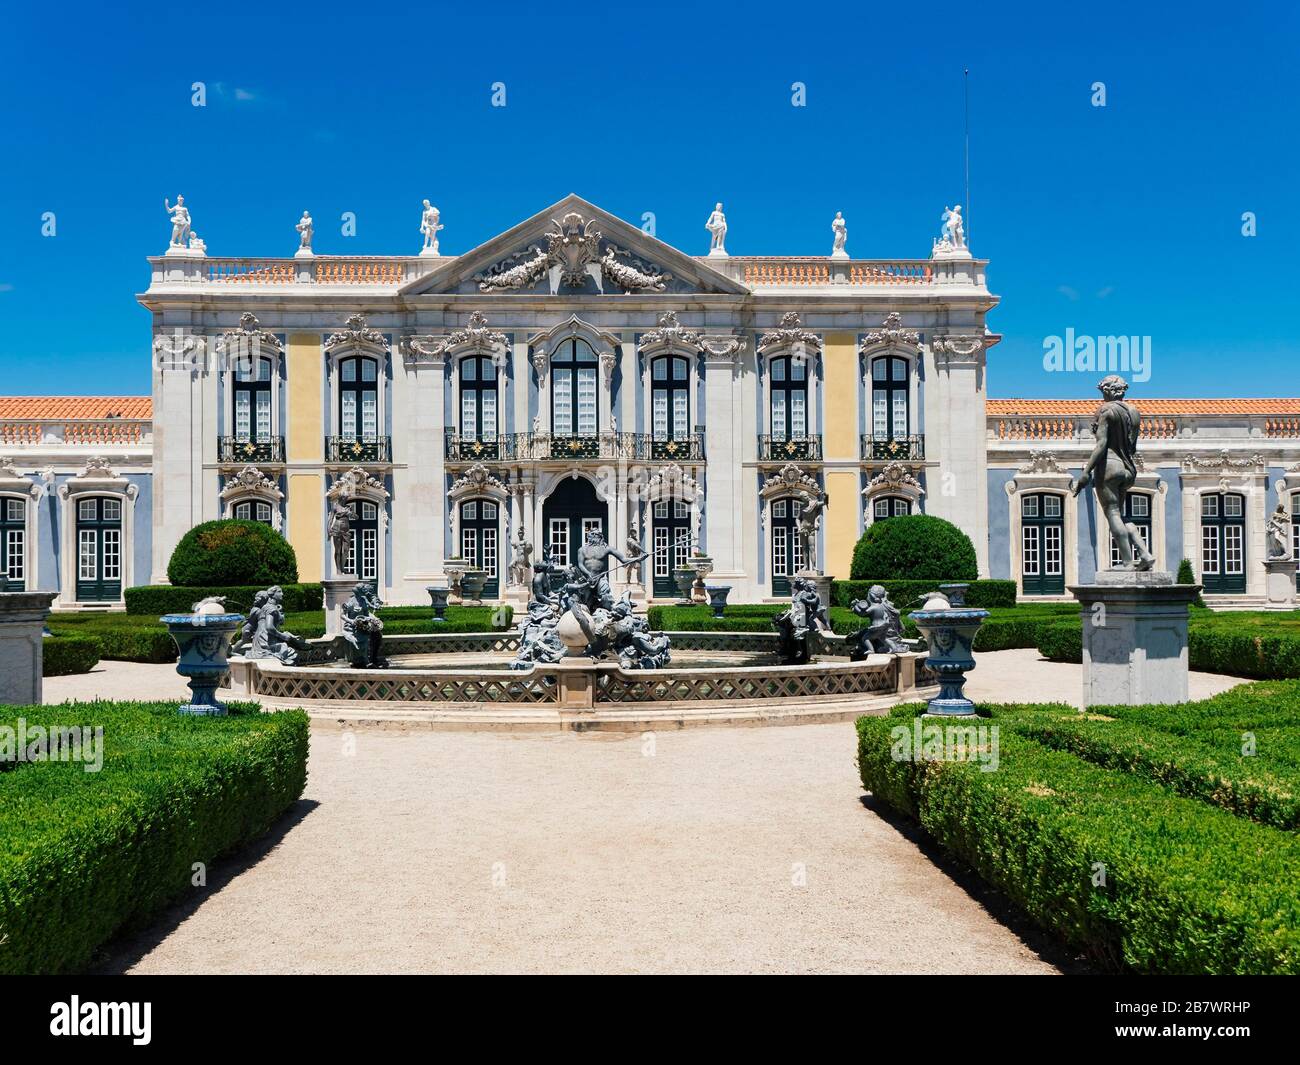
203	640
949	631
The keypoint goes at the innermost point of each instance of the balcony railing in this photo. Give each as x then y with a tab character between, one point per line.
689	448
882	449
79	432
792	449
254	452
523	447
350	449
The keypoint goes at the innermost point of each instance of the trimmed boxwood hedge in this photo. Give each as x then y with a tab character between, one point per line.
62	656
1189	887
914	547
154	600
230	551
1241	644
87	856
905	594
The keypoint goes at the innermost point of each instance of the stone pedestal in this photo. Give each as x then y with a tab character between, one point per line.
22	620
1279	583
576	683
338	590
1134	638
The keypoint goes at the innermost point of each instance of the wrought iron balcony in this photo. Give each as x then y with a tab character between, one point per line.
540	447
885	449
789	449
254	452
688	448
503	447
350	449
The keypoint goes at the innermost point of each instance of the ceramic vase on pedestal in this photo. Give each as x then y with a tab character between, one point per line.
949	631
203	641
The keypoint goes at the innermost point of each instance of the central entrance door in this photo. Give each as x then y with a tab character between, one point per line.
568	514
672	546
478	540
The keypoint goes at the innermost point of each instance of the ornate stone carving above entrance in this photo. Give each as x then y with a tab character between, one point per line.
790	339
891	334
355	334
791	480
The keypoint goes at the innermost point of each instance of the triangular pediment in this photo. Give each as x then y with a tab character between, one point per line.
573	248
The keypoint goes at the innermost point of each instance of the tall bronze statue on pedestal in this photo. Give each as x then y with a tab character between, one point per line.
1111	469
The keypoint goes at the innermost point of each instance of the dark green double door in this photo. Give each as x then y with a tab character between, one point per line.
99	550
569	513
1223	543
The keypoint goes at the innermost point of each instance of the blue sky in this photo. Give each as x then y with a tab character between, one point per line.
1123	219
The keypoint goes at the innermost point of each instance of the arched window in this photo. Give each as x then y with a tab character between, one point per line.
1137	512
889	398
478	540
883	507
789	402
252	387
478	399
1223	542
670	377
13	544
359	399
253	510
99	549
574	383
1042	544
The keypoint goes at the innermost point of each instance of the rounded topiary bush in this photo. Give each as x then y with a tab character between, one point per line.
232	552
915	547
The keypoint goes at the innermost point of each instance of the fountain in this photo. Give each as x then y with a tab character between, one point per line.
203	641
949	631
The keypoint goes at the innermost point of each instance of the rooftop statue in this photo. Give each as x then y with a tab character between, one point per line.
1111	469
305	230
954	228
180	215
840	228
429	226
717	227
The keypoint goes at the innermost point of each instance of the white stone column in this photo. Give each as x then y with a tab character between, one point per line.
958	489
22	618
423	529
726	419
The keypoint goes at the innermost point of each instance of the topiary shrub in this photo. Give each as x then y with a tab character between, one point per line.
1186	575
65	655
232	552
917	547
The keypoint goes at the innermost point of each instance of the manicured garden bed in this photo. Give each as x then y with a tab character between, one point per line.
142	638
1259	643
1146	837
86	855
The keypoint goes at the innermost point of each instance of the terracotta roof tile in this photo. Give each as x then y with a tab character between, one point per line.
61	408
1064	407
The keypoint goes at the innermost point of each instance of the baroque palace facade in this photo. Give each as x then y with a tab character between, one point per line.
576	374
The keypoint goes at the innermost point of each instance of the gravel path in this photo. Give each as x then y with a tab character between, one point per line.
706	850
719	850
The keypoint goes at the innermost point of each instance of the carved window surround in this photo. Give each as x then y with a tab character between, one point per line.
895	480
356	338
251	484
1043	474
802	346
14	485
250	341
892	339
358	485
97	479
542	347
